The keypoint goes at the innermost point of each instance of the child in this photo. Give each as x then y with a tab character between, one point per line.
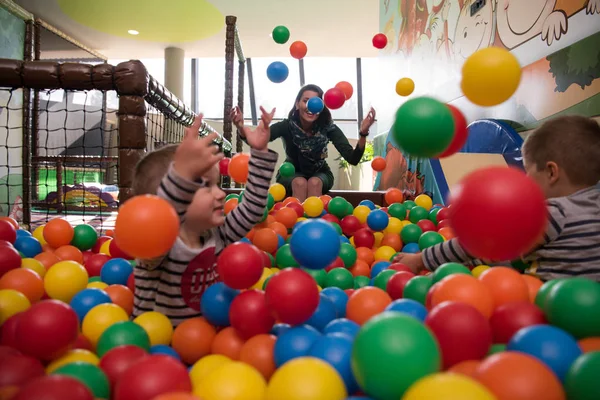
563	157
187	175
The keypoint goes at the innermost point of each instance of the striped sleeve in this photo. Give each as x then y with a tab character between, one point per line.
448	251
250	211
178	191
556	223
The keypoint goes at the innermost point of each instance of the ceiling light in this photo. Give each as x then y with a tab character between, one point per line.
133	32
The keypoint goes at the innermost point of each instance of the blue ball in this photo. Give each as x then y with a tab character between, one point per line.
28	245
411	248
378	267
409	307
116	271
87	299
315	244
339	299
315	105
23	232
549	344
293	343
324	314
342	325
368	203
166	350
378	220
323	213
344	239
278	329
336	350
245	240
280	241
215	303
277	72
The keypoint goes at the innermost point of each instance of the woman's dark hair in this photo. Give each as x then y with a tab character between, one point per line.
325	115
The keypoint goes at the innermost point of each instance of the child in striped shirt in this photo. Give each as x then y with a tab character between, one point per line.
187	176
563	157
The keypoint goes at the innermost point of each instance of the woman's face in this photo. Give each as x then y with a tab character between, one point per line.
302	109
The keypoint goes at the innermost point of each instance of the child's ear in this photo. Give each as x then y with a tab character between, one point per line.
552	172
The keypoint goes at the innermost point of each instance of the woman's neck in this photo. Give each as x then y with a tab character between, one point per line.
306	126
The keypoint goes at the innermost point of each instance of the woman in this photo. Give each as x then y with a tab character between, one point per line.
305	137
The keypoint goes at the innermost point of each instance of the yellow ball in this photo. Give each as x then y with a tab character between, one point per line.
405	222
12	302
378	238
490	76
394	226
205	366
351	240
64	280
306	378
157	326
259	285
71	357
424	201
38	233
361	212
405	86
34	265
232	381
277	190
448	386
100	318
275	270
313	206
478	270
97	285
301	219
105	247
384	253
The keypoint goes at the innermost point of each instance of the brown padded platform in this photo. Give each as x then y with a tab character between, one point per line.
353	196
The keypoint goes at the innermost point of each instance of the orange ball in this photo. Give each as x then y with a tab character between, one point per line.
192	339
11	221
69	253
378	164
393	195
287	216
345	87
146	227
291	200
176	396
25	281
518	376
110	232
505	285
266	240
251	234
121	296
230	205
228	343
590	344
447	232
467	368
365	303
298	49
360	268
533	284
58	232
258	352
365	254
393	240
279	229
466	289
238	167
47	259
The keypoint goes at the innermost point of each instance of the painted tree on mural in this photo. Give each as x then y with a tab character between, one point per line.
577	64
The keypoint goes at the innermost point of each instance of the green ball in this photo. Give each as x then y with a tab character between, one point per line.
424	127
409	204
94	279
90	375
284	257
84	237
337	227
240	197
133	263
281	34
361	281
267	281
397	210
581	382
391	352
382	278
433	215
542	294
348	254
232	196
574	306
122	333
417	213
496	348
411	233
265	215
416	288
349	209
338	207
520	265
270	201
272	260
339	277
448	269
319	275
287	170
429	239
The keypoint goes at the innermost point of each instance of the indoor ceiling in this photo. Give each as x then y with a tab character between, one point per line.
330	28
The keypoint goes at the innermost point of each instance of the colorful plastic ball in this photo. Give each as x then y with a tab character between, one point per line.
411	234
408	307
85	300
315	244
122	333
216	302
116	271
75	355
343	326
224	168
280	34
64	280
313	206
405	87
17	369
340	278
240	265
277	190
315	105
339	299
490	76
277	72
444	386
478	270
12	302
298	49
249	314
334	98
345	87
380	41
7	231
448	269
58	232
509	318
324	314
258	353
411	248
366	303
581	382
157	326
9	259
99	319
293	343
423	127
397	282
416	288
233	380
460	132
386	341
90	375
84	237
417	213
377	220
287	169
203	367
336	350
378	164
116	361
424	201
429	239
24	281
28	246
165	350
466	289
505	285
292	296
54	387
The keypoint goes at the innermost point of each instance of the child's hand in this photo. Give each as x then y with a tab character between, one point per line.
413	261
237	118
259	138
196	156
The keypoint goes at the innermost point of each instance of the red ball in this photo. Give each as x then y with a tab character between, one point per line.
5	243
47	330
83	342
7	231
116	252
54	387
152	376
8	351
95	263
443	214
292	296
224	166
86	255
400	267
462	332
498	213
8	331
397	282
429	297
99	243
508	318
249	314
364	238
240	265
117	360
267	262
331	218
334	98
18	369
337	263
460	132
9	259
277	206
297	207
131	283
426	225
443	223
380	41
349	292
350	224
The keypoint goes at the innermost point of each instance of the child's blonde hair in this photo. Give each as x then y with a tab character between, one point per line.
150	170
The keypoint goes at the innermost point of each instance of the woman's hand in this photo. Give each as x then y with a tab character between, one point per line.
259	138
368	121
